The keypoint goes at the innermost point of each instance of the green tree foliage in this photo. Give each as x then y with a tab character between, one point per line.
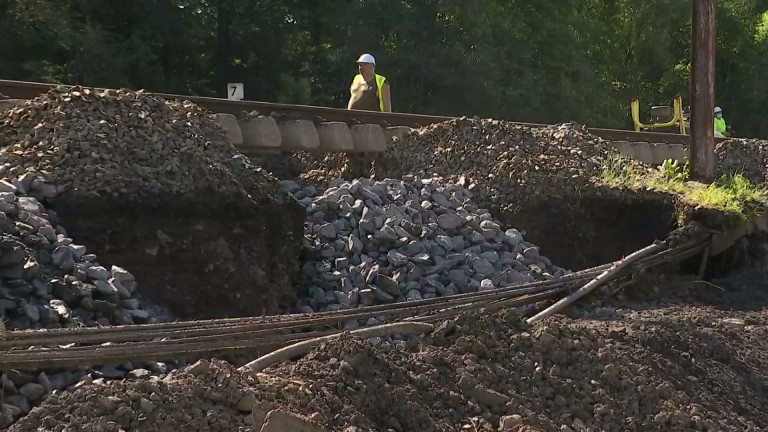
581	60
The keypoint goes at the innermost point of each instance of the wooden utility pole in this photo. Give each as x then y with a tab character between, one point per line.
702	147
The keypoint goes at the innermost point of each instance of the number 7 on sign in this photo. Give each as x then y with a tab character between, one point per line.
235	91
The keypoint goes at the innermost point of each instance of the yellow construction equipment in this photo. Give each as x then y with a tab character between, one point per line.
659	114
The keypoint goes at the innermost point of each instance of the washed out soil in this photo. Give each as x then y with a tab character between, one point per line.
201	260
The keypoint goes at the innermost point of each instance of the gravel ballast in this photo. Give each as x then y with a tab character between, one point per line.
375	242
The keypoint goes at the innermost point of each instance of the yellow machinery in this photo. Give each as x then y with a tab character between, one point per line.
677	121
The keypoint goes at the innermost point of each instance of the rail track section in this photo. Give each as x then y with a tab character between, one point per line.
91	346
650	146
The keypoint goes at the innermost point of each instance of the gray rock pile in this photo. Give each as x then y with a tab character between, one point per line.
123	144
374	242
502	162
49	281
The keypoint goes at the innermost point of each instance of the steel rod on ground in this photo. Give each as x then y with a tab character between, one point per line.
596	282
301	348
702	148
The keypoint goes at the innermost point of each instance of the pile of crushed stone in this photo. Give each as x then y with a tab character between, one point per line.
501	161
48	281
373	242
675	368
124	144
323	168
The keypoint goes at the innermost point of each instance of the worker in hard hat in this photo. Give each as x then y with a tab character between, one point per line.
369	91
720	128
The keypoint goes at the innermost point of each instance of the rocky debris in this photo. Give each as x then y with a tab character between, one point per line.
49	282
23	391
655	369
279	421
206	396
192	400
502	163
371	242
659	370
123	144
746	156
316	168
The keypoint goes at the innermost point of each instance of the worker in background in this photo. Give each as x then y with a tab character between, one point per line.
720	128
369	91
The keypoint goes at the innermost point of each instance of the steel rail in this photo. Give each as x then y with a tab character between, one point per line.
304	319
21	339
27	354
61	357
139	332
29	90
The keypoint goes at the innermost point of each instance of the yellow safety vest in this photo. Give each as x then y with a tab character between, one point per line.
379	84
720	125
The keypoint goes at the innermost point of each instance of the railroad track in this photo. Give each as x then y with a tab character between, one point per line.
29	90
78	347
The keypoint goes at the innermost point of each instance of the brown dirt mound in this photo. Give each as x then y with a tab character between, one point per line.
183	401
662	372
676	368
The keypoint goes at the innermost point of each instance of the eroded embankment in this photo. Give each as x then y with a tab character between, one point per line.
200	260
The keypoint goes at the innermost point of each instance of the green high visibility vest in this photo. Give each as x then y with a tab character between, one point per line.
380	80
720	125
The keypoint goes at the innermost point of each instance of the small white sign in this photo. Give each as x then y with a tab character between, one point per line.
235	91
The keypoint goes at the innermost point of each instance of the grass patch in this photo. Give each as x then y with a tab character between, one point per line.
731	193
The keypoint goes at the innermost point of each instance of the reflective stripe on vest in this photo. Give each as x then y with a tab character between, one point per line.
379	84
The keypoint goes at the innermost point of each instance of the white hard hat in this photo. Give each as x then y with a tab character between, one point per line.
718	109
366	58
